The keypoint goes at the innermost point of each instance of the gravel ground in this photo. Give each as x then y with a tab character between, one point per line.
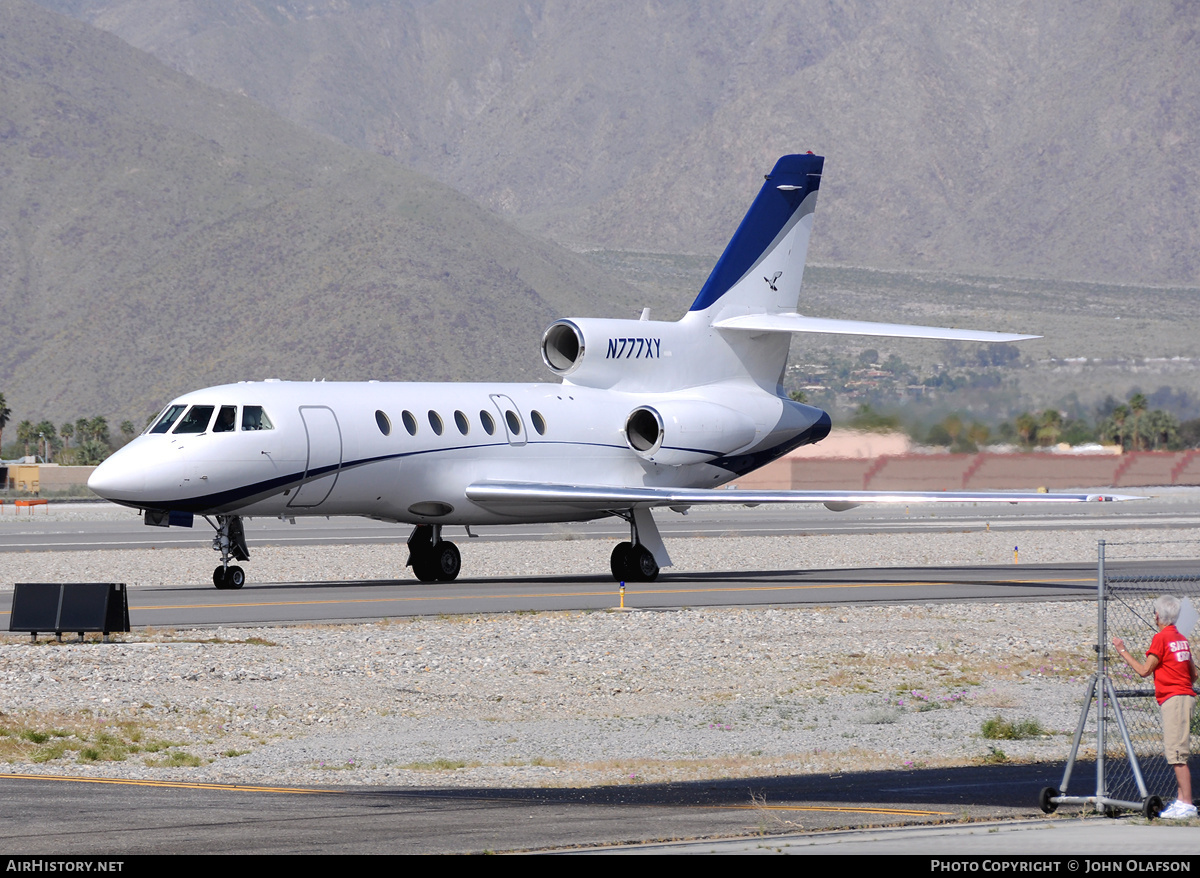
552	698
559	699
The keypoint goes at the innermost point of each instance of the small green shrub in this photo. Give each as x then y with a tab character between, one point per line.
999	729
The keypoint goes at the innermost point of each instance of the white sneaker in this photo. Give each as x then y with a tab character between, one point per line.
1178	810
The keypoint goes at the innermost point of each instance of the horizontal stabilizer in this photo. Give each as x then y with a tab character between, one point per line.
498	495
800	323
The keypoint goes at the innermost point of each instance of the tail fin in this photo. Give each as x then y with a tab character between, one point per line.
761	270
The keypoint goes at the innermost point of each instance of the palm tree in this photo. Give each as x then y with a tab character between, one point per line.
1116	428
1160	430
5	413
26	434
1049	427
98	428
46	432
1026	428
1137	406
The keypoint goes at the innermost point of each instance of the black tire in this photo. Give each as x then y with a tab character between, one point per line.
447	561
645	568
1044	800
235	577
219	577
424	566
620	563
1151	807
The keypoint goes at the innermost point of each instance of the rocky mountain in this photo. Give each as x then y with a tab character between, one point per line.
157	235
1014	137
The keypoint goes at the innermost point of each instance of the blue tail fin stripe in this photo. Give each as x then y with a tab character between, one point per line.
775	210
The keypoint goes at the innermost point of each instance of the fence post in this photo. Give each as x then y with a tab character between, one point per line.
1102	688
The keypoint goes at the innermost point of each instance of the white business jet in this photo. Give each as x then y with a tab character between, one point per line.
645	414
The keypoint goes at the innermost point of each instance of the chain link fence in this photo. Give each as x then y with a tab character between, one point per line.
1131	769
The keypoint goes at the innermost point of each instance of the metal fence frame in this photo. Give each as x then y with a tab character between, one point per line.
1130	768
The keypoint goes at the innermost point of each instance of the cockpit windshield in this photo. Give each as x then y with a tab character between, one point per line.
168	418
196	420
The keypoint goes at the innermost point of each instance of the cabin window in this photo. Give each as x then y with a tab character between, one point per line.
410	423
489	423
435	421
254	418
226	420
168	418
514	423
539	423
385	424
460	421
196	420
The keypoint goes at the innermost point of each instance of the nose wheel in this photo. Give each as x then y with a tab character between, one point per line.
230	541
229	577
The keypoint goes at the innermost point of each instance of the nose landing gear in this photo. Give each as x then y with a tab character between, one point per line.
230	541
432	558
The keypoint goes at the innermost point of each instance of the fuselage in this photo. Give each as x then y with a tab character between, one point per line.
406	452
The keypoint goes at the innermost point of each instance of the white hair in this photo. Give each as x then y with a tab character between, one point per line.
1166	607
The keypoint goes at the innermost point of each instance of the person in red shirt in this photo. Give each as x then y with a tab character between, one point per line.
1169	659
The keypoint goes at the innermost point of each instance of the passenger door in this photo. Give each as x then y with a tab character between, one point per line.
324	456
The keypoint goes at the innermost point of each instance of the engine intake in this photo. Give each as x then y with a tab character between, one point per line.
562	347
686	431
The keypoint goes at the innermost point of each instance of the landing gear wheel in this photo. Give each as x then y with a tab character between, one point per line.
447	561
229	577
1044	800
645	568
620	563
424	565
1151	807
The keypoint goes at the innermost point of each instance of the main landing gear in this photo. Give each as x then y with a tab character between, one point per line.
635	561
432	558
230	541
631	562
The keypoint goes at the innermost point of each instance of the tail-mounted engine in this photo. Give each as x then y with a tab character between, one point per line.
686	431
637	355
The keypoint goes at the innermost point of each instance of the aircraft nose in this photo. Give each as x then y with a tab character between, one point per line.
118	478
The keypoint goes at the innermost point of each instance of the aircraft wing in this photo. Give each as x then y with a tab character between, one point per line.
800	323
595	498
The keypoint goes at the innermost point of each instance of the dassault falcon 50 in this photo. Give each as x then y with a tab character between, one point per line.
644	414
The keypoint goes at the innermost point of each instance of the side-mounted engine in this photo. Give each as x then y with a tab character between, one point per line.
677	432
634	355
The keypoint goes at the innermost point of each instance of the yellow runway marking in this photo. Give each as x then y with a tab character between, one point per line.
837	810
183	785
614	593
628	593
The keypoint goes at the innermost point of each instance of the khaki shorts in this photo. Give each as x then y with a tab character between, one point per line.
1177	721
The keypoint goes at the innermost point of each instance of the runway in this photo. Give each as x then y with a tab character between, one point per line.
111	527
112	533
284	603
50	816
